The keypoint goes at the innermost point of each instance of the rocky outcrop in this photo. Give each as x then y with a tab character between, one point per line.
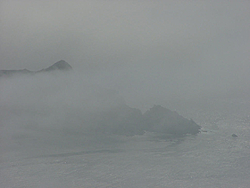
124	120
60	65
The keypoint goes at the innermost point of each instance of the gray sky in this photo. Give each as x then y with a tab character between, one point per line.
190	44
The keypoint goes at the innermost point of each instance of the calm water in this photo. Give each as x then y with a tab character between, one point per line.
213	158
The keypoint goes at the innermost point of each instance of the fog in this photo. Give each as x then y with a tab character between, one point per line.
127	56
158	50
135	53
56	101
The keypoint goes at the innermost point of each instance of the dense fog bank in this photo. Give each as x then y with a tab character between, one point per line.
58	107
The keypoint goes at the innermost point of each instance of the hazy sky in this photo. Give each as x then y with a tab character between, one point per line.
189	44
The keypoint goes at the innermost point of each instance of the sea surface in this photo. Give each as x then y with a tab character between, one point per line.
51	159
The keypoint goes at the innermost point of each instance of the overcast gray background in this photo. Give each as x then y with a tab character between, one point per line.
168	48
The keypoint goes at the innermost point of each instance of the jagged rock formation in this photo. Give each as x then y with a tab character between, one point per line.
60	65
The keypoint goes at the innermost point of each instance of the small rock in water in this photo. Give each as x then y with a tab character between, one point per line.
234	135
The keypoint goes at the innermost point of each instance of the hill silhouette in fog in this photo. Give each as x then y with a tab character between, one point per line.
60	65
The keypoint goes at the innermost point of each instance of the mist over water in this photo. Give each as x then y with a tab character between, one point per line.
47	133
45	107
59	107
127	56
46	142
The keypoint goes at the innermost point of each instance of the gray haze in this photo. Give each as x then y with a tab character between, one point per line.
145	50
189	56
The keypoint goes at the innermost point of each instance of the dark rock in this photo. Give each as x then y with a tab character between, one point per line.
234	135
